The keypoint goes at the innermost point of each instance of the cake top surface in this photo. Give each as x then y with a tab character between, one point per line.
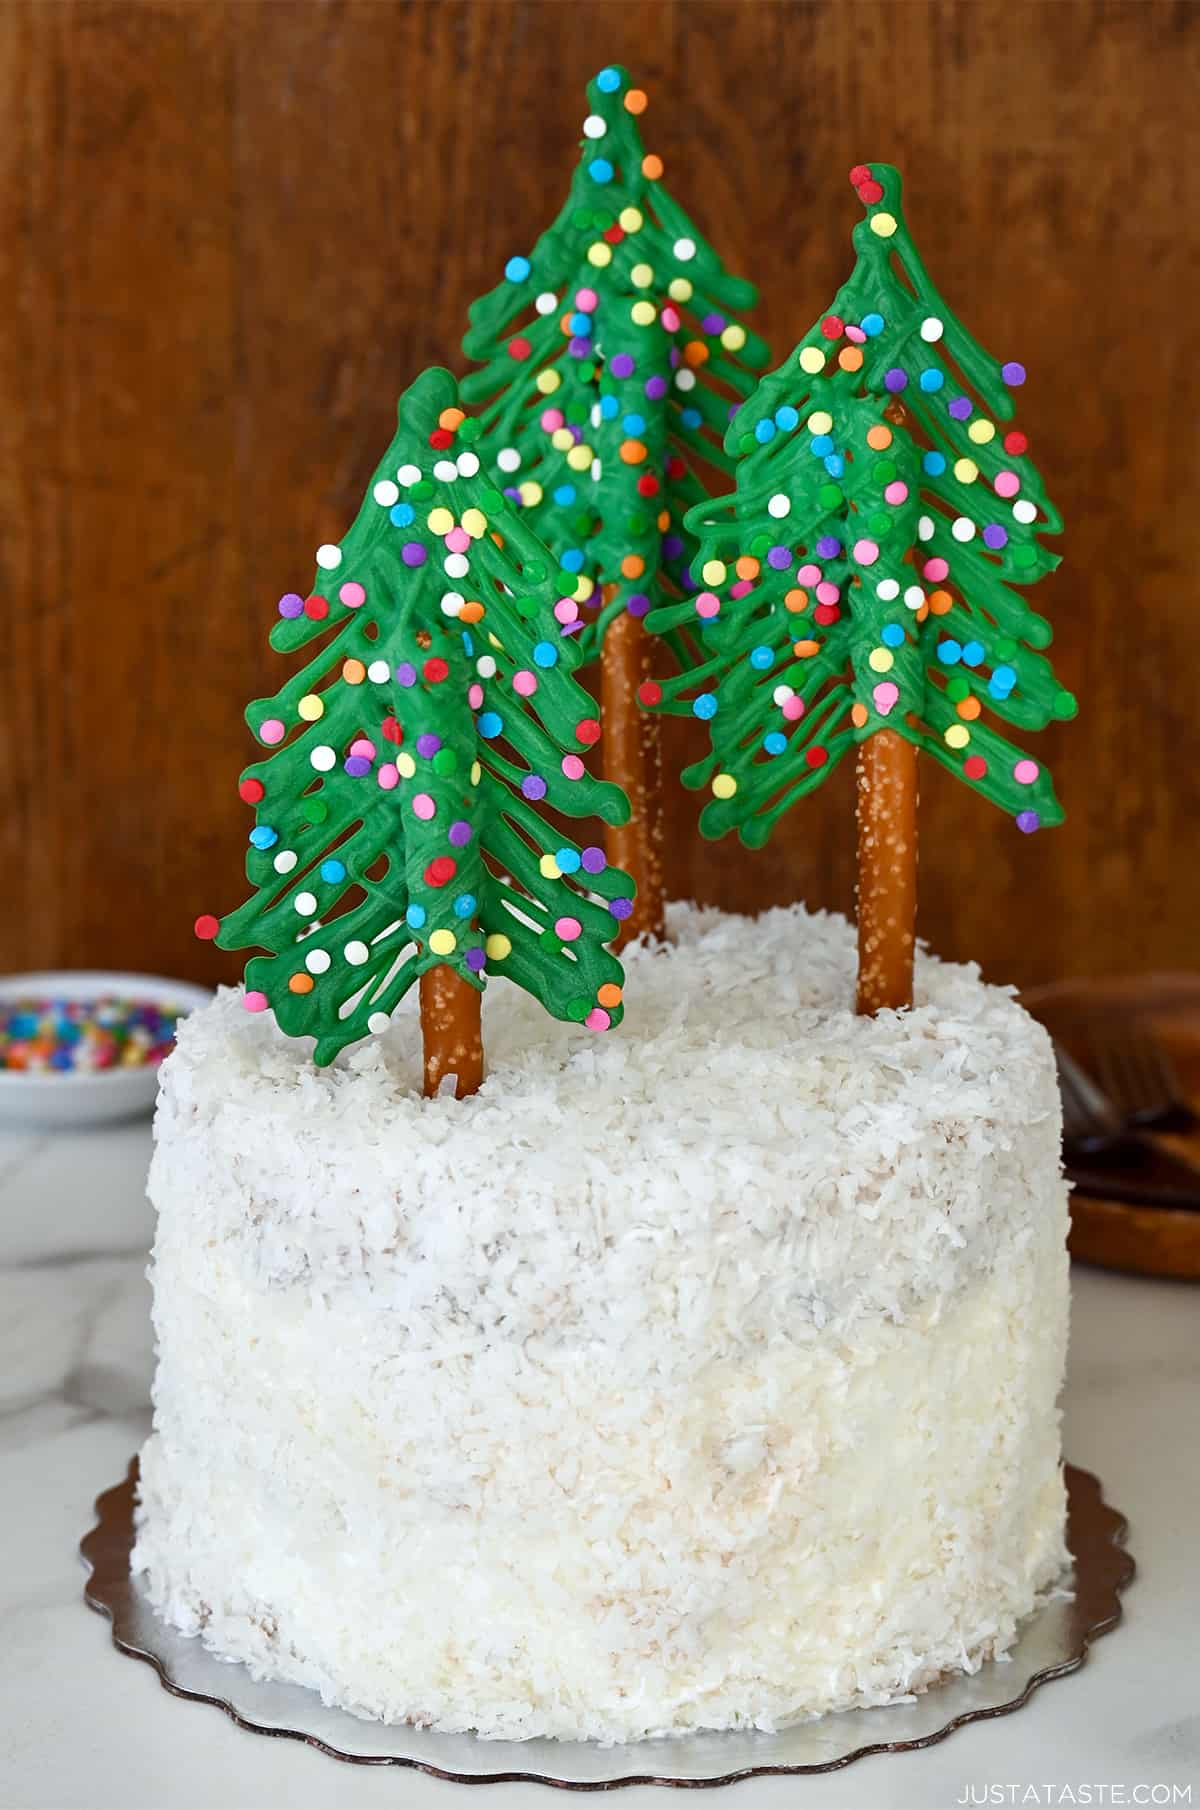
746	1134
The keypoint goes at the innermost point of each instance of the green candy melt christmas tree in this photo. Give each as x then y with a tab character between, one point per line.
860	584
400	829
611	362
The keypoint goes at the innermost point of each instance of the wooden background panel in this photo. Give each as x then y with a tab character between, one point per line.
230	234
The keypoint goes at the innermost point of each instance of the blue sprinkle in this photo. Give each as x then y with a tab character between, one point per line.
489	724
775	743
820	446
892	635
567	860
517	269
608	80
949	653
934	463
761	659
401	514
565	494
764	431
415	916
973	652
786	418
608	407
332	871
1004	677
634	424
263	836
545	654
931	380
691	417
835	465
705	707
464	905
571	560
600	170
872	325
581	325
468	643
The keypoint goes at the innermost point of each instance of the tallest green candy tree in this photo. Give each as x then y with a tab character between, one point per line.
611	358
863	585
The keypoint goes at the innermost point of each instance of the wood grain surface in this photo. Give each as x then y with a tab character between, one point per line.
231	233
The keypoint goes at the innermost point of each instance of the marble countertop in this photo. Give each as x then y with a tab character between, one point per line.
83	1728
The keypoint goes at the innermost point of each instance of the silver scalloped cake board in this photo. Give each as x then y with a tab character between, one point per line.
1053	1642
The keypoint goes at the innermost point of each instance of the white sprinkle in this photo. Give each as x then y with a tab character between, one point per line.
468	464
378	1022
546	303
1024	511
356	954
409	474
445	470
323	759
485	666
925	528
779	505
456	565
887	589
508	459
379	672
685	249
317	961
962	529
594	126
931	328
329	557
452	603
386	493
305	903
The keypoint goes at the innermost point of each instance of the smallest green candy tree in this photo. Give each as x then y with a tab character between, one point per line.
401	829
863	585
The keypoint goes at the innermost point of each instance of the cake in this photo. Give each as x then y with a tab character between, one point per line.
702	1376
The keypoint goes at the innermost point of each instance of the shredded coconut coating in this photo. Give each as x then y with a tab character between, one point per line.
702	1376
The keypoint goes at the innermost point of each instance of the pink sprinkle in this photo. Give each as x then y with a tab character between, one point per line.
524	683
856	336
827	593
597	1019
568	929
458	540
808	574
255	1002
1006	483
352	595
886	695
793	708
572	766
896	491
423	806
363	748
741	587
566	610
670	318
553	419
271	731
475	696
866	552
587	301
935	570
1025	772
388	775
708	604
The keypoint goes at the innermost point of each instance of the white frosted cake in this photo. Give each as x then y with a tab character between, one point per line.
704	1376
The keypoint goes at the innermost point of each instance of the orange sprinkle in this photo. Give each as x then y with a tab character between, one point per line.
879	436
923	613
664	520
632	452
498	538
632	566
940	602
450	419
300	983
695	352
795	601
747	566
652	166
635	102
858	715
354	672
850	358
609	994
564	323
969	709
471	612
806	649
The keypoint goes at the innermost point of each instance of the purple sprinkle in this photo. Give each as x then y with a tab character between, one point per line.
593	860
406	673
995	536
656	388
475	959
621	365
577	434
713	323
960	408
573	628
579	348
428	745
828	547
460	833
512	493
675	357
357	766
533	786
637	604
413	553
291	605
895	379
620	908
672	546
1027	822
779	558
1013	374
733	409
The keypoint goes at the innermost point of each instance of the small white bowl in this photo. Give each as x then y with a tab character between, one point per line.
86	1096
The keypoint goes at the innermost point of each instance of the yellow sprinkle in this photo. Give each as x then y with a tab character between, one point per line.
820	422
580	457
643	314
734	337
981	431
549	869
713	571
724	785
957	736
583	588
641	276
599	254
680	289
562	439
530	493
443	942
881	659
475	522
310	708
439	521
812	359
476	772
547	382
966	470
883	224
406	766
497	947
630	219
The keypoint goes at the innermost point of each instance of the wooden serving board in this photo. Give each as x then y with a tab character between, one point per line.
1120	1235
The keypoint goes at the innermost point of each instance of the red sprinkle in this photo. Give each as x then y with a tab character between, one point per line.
441	438
833	326
206	926
251	790
860	173
391	730
815	757
435	670
650	692
974	766
317	607
519	348
1015	444
441	870
588	731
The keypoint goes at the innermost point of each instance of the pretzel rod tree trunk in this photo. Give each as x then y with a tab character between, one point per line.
451	1032
886	813
633	761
